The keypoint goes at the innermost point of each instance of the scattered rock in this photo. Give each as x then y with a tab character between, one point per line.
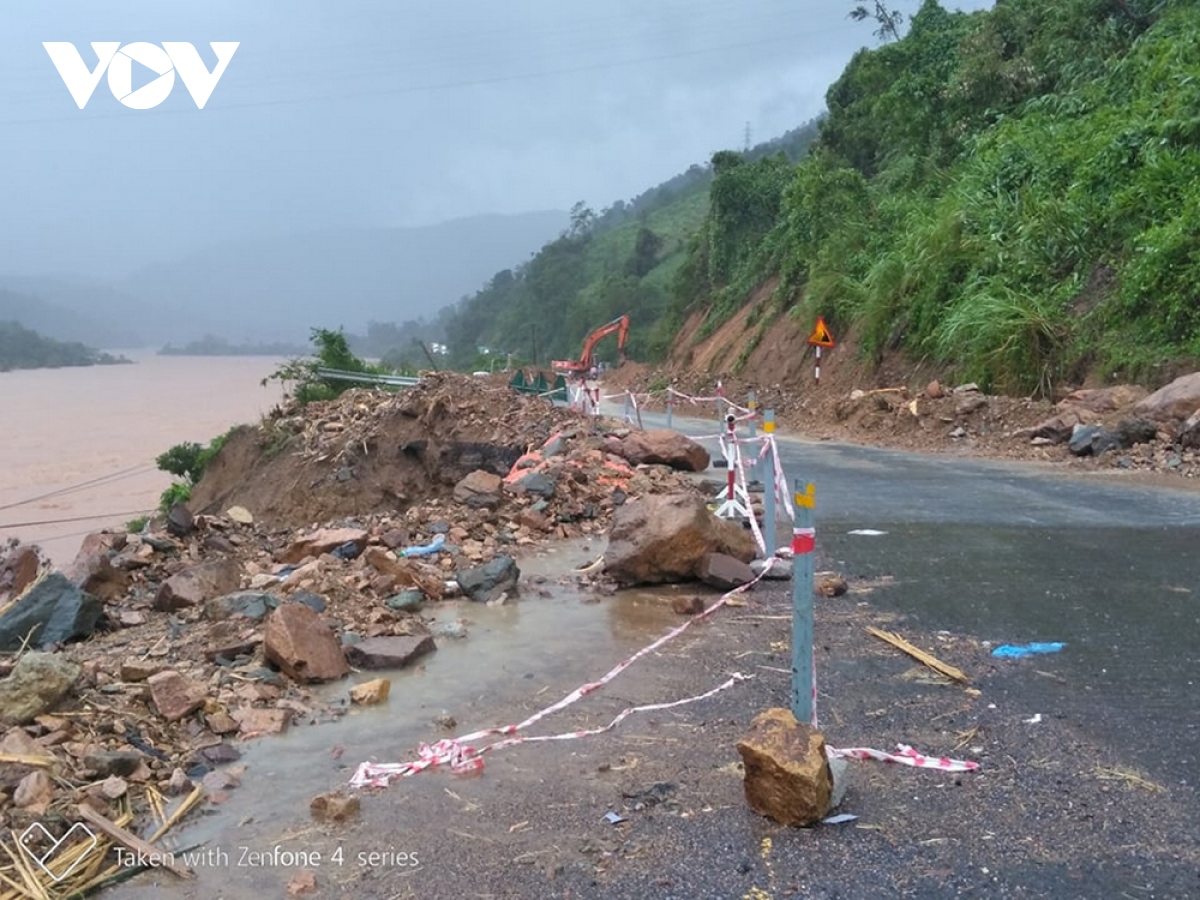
220	754
179	521
406	573
334	807
303	882
303	646
254	721
34	792
1102	400
662	447
781	569
537	483
1091	440
197	584
53	611
1189	432
487	582
242	604
35	686
934	391
688	606
109	763
724	572
134	671
394	652
787	778
371	692
174	696
828	585
663	538
968	403
94	573
19	569
479	483
240	514
1131	432
324	540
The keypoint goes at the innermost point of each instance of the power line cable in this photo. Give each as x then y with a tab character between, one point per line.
502	79
83	485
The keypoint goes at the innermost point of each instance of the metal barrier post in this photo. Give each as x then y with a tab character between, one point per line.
670	408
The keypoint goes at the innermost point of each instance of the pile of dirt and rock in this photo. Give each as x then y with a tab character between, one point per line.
132	674
1122	426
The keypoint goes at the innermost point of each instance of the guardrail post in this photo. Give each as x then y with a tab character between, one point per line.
752	405
803	546
670	408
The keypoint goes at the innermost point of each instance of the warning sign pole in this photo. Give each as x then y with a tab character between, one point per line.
818	368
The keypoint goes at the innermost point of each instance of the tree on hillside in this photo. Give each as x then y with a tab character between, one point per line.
889	20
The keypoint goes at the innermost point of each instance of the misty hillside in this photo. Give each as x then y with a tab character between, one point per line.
279	288
84	322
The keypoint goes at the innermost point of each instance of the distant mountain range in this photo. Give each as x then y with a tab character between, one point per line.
278	288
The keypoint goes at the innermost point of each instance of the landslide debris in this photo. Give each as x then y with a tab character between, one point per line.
320	542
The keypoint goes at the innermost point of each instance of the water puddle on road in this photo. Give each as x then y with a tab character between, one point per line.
517	658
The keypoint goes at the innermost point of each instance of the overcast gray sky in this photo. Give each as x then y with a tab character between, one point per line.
376	112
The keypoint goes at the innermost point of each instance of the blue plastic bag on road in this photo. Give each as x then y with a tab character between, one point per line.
1019	652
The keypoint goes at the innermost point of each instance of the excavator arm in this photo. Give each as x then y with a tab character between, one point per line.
620	326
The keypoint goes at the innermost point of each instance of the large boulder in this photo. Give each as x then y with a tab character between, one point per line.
788	777
303	646
487	582
198	584
93	571
53	611
668	448
1173	403
35	686
664	538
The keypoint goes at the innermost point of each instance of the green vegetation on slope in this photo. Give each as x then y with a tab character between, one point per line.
21	348
1013	193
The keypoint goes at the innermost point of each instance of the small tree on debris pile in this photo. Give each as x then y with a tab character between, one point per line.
186	462
333	352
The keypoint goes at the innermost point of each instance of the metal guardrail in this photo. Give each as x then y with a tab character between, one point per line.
363	378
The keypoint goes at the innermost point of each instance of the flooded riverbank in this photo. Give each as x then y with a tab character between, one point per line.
79	444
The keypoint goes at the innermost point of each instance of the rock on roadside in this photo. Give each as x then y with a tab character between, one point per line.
664	538
303	646
788	778
668	448
35	686
389	652
55	610
487	582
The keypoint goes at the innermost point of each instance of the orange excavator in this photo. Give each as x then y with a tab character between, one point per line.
582	365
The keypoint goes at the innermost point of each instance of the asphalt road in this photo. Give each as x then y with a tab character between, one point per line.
1016	553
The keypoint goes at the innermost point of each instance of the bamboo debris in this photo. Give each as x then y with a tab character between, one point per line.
132	841
87	864
920	655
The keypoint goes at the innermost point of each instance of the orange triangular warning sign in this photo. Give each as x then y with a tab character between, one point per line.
821	336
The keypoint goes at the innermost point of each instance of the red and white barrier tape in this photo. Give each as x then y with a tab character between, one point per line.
905	756
460	755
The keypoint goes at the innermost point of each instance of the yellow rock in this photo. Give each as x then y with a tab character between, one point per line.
788	778
240	514
371	692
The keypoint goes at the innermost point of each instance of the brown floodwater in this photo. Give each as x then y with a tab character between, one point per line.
77	445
